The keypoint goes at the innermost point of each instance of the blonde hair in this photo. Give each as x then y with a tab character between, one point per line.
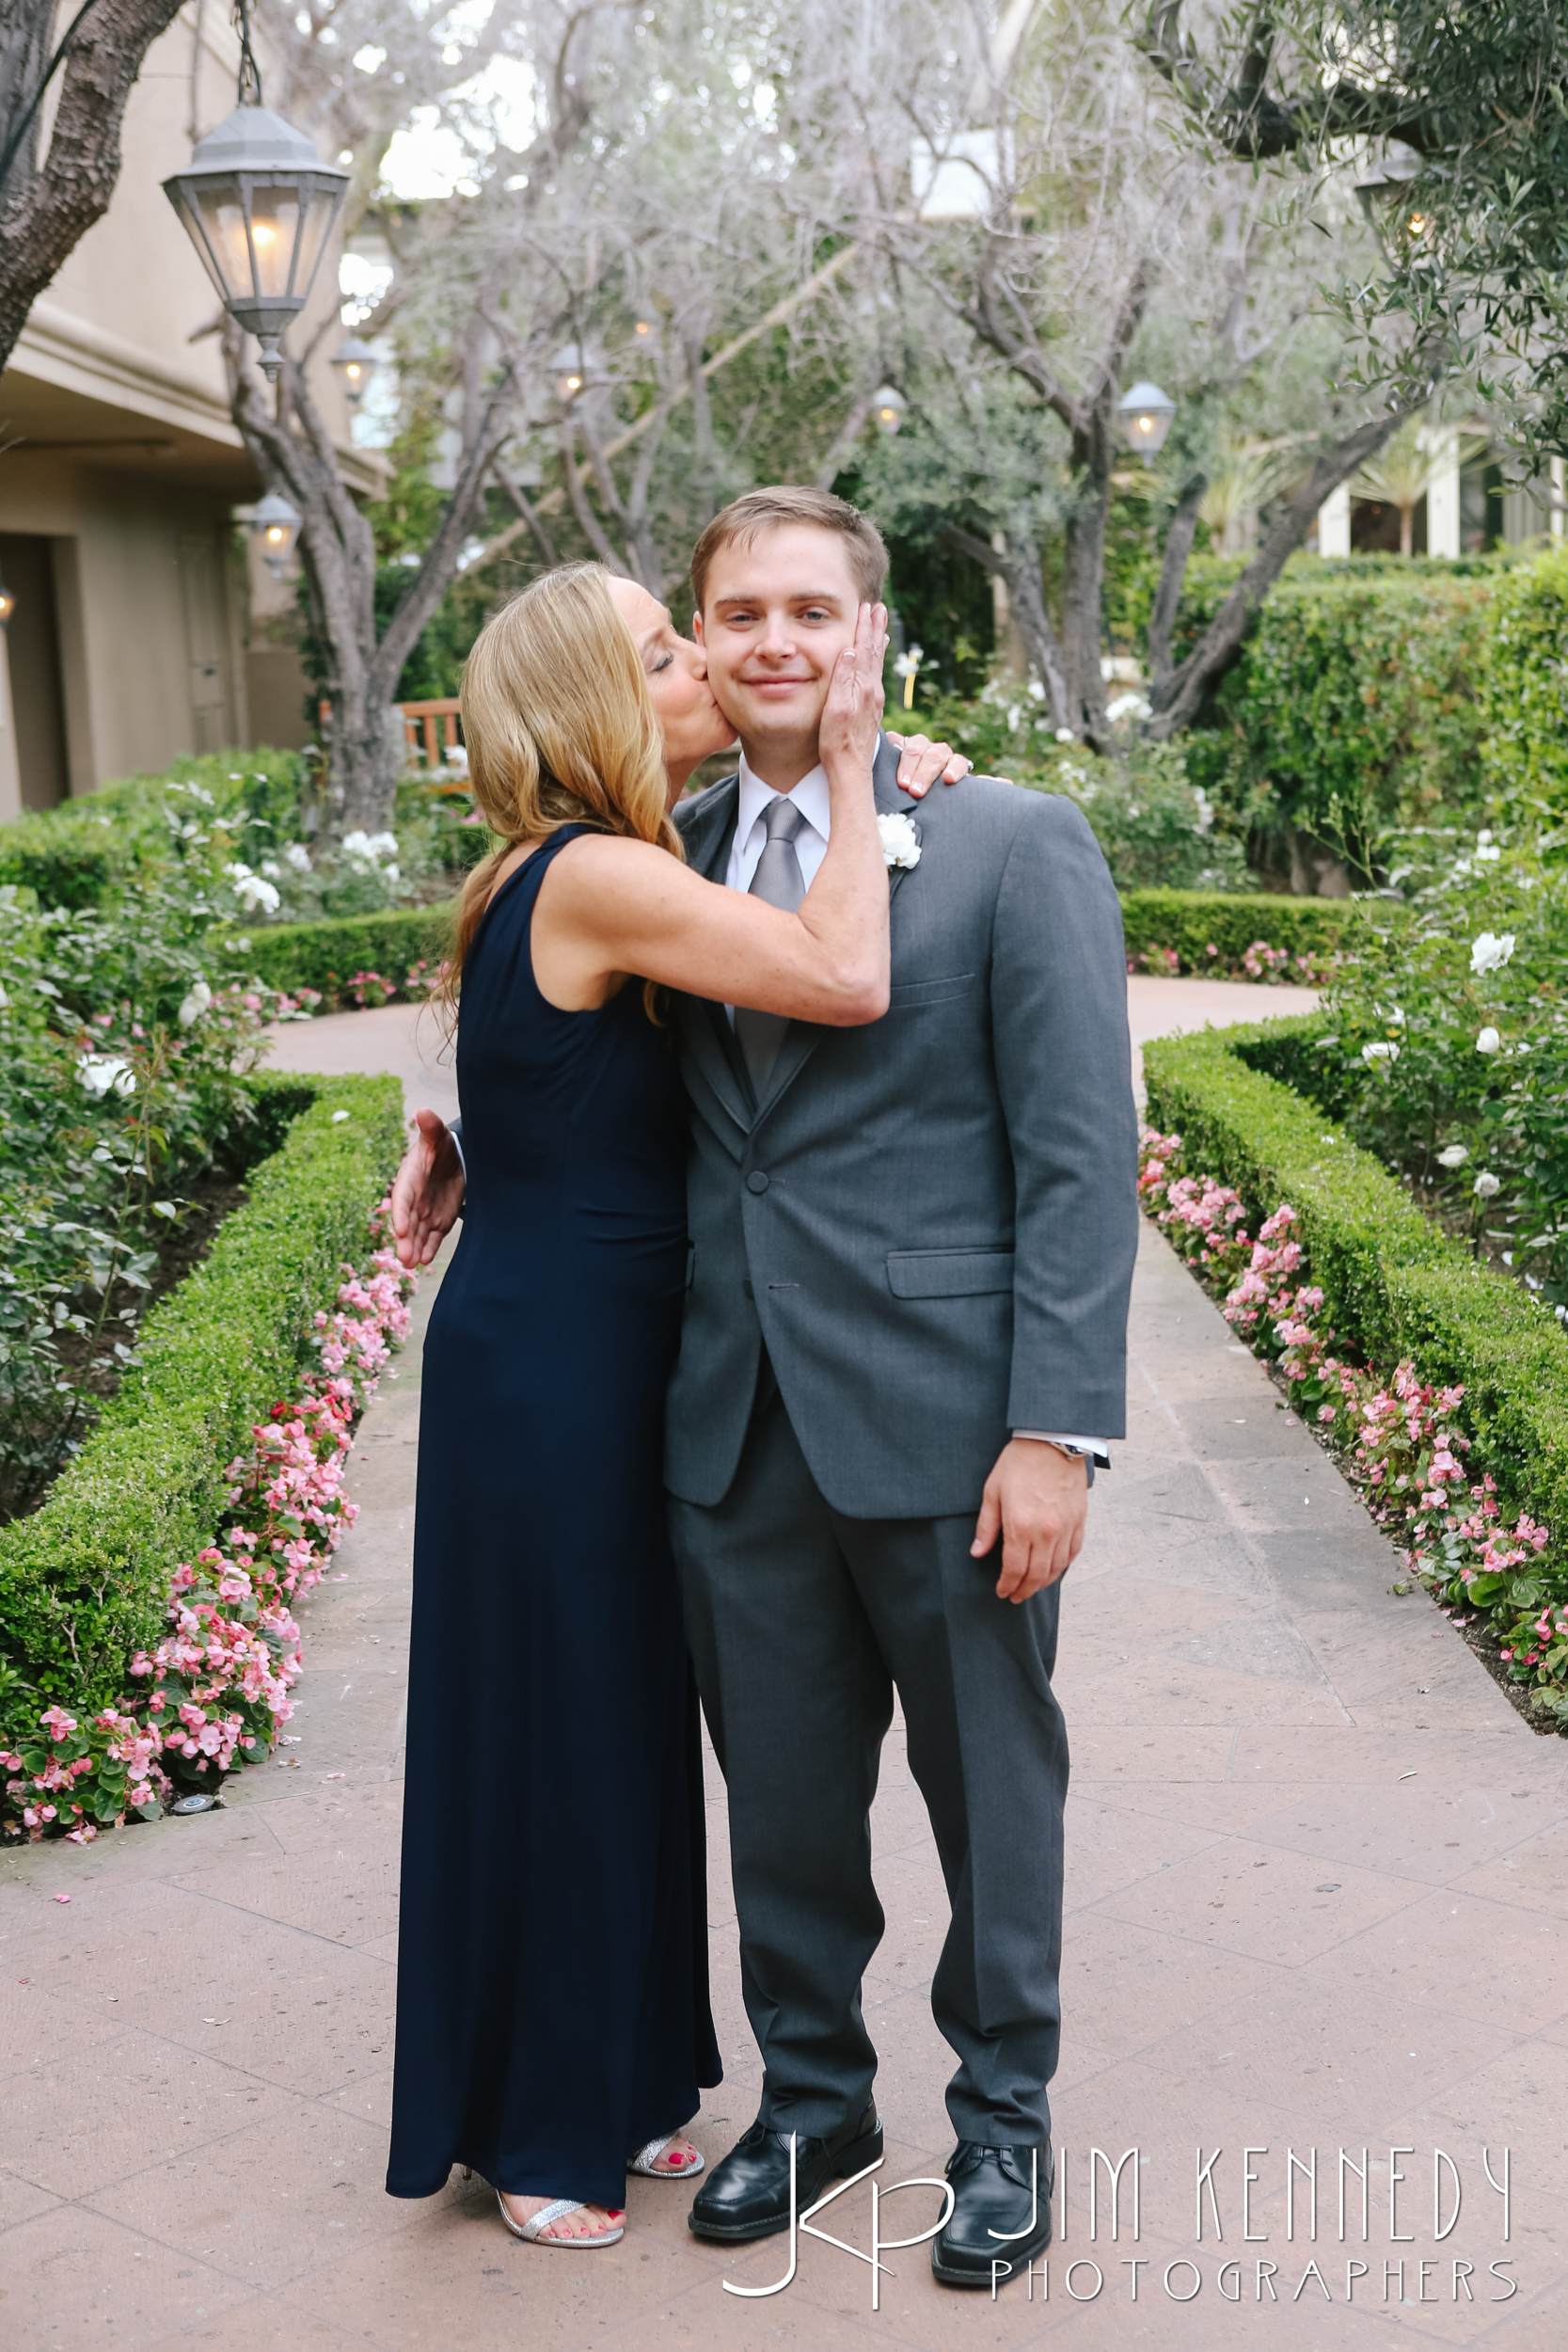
560	730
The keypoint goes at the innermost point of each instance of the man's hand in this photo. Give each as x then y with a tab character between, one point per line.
1038	1499
427	1191
921	762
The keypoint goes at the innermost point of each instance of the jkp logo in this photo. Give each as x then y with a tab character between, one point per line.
799	2222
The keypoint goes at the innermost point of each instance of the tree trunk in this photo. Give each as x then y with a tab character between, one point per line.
292	452
1084	570
366	744
1407	531
1018	567
1176	692
44	212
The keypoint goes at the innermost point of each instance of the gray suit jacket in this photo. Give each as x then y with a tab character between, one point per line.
931	1220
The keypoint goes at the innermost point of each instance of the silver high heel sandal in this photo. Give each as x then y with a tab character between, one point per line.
533	2230
646	2161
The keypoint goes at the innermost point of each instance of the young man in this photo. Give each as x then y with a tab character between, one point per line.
905	1327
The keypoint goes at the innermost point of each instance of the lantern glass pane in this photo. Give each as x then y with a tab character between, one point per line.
221	211
320	210
274	227
196	229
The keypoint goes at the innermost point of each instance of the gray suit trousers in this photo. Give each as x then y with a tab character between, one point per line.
802	1622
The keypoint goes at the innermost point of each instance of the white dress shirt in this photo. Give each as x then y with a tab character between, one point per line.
810	797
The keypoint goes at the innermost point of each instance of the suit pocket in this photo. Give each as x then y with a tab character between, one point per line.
929	991
948	1273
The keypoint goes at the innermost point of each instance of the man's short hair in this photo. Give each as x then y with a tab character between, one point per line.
745	520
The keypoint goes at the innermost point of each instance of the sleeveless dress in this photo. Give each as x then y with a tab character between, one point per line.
553	2007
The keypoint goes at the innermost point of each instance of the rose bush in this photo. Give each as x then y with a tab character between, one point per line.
1445	1047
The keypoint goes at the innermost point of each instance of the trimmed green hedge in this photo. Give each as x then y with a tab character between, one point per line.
84	1581
1394	1285
1525	706
325	956
1355	703
1192	921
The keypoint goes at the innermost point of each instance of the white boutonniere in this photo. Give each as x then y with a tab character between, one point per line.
900	841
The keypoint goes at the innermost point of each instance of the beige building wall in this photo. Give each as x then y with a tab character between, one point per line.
134	631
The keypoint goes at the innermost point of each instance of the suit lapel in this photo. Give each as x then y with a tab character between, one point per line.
892	803
707	834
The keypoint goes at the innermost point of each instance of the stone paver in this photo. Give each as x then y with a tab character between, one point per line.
1317	1880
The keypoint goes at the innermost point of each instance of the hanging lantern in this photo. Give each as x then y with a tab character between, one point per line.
1146	413
275	524
888	409
260	206
578	369
354	363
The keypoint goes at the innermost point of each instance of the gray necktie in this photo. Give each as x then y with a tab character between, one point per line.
781	882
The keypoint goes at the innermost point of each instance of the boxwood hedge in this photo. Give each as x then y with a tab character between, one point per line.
1394	1285
1192	921
325	956
85	1580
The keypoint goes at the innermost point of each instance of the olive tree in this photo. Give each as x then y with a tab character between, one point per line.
55	185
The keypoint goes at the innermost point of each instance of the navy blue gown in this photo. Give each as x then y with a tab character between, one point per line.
552	2008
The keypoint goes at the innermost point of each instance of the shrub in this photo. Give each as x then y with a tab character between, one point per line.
1445	1048
1524	701
1155	829
122	1082
1401	1440
1395	1288
83	1581
327	957
217	1688
1354	705
1215	931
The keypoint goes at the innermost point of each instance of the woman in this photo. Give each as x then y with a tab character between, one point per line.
552	2002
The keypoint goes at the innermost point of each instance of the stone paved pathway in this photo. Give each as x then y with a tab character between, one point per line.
1316	1894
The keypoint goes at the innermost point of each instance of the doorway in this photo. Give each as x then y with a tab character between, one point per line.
33	651
206	643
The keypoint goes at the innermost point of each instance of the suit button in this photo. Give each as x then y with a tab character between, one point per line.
746	1291
756	1180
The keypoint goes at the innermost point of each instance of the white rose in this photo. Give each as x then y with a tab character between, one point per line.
1064	735
252	892
1453	1155
298	856
1490	952
97	1072
1379	1051
194	1005
1487	1185
1489	1041
900	841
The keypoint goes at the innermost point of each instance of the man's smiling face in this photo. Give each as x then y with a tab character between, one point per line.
776	615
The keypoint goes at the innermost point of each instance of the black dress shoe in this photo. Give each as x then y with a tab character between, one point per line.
994	2189
746	2194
